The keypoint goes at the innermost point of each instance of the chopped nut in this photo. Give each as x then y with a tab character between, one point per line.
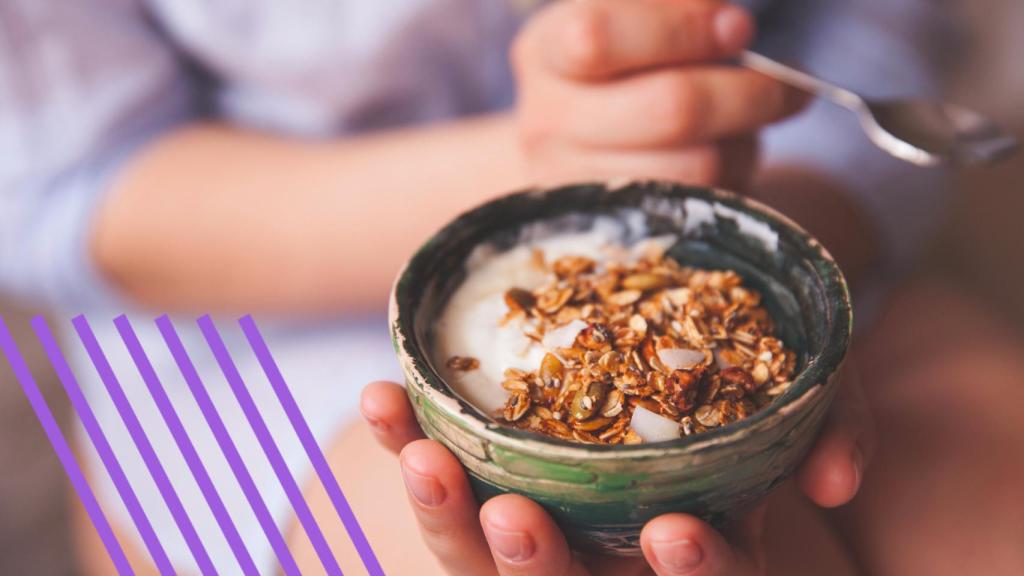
681	388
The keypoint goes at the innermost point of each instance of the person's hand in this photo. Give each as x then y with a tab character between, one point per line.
642	88
513	536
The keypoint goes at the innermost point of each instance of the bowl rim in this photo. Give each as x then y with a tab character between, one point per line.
417	365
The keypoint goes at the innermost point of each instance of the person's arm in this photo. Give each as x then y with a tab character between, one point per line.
218	218
130	180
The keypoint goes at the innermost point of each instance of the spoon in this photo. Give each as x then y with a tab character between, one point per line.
922	132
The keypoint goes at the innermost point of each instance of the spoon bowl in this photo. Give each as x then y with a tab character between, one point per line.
930	133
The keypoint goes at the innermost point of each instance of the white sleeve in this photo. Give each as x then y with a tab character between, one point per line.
82	85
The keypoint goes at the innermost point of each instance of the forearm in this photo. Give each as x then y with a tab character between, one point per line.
214	218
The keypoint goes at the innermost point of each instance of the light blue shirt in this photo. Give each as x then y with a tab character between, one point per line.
85	83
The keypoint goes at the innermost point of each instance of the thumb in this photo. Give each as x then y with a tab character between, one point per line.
683	545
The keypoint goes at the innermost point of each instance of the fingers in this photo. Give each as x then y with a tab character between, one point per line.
524	540
662	109
680	544
385	406
641	82
599	39
832	473
445	509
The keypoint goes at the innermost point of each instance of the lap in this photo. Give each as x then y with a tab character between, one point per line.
372	482
945	379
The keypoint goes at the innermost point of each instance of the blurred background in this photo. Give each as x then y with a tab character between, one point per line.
980	250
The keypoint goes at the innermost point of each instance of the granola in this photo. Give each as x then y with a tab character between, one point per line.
639	350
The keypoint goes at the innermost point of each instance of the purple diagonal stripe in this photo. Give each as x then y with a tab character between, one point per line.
284	476
227	446
188	450
138	435
309	443
102	445
60	446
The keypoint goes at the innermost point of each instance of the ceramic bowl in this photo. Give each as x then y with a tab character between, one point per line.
601	496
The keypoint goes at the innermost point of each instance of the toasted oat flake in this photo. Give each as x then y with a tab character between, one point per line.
463	363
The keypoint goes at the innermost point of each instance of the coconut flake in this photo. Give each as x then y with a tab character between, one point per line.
680	358
653	427
563	336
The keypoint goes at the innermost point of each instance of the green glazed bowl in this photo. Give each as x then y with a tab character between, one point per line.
601	496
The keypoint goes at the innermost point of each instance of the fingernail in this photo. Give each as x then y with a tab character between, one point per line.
678	556
734	28
512	546
373	421
426	490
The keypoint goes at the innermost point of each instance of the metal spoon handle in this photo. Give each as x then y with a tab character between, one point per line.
801	79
